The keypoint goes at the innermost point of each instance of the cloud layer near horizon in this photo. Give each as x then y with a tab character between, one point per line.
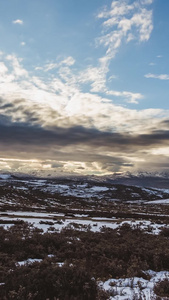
56	118
60	127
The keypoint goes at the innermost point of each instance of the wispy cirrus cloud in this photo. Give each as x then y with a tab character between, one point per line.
125	22
157	76
96	77
68	61
18	21
129	96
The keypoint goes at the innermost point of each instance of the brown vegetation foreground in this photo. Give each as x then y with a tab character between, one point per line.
87	257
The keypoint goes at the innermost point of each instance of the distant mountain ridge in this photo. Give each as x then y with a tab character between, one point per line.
143	179
146	179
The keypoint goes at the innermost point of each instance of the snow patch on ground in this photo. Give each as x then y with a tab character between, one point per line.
98	189
93	224
161	201
28	261
31	214
134	288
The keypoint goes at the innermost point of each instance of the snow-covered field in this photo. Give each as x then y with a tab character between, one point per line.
44	221
161	201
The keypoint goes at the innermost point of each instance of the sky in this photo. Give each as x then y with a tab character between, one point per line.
84	86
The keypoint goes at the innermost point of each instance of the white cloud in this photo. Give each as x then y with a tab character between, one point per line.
125	22
147	2
18	21
69	61
96	76
152	64
131	97
160	151
18	70
143	22
3	68
156	76
38	68
50	66
23	44
63	103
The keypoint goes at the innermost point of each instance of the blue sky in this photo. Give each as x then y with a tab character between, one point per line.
84	86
